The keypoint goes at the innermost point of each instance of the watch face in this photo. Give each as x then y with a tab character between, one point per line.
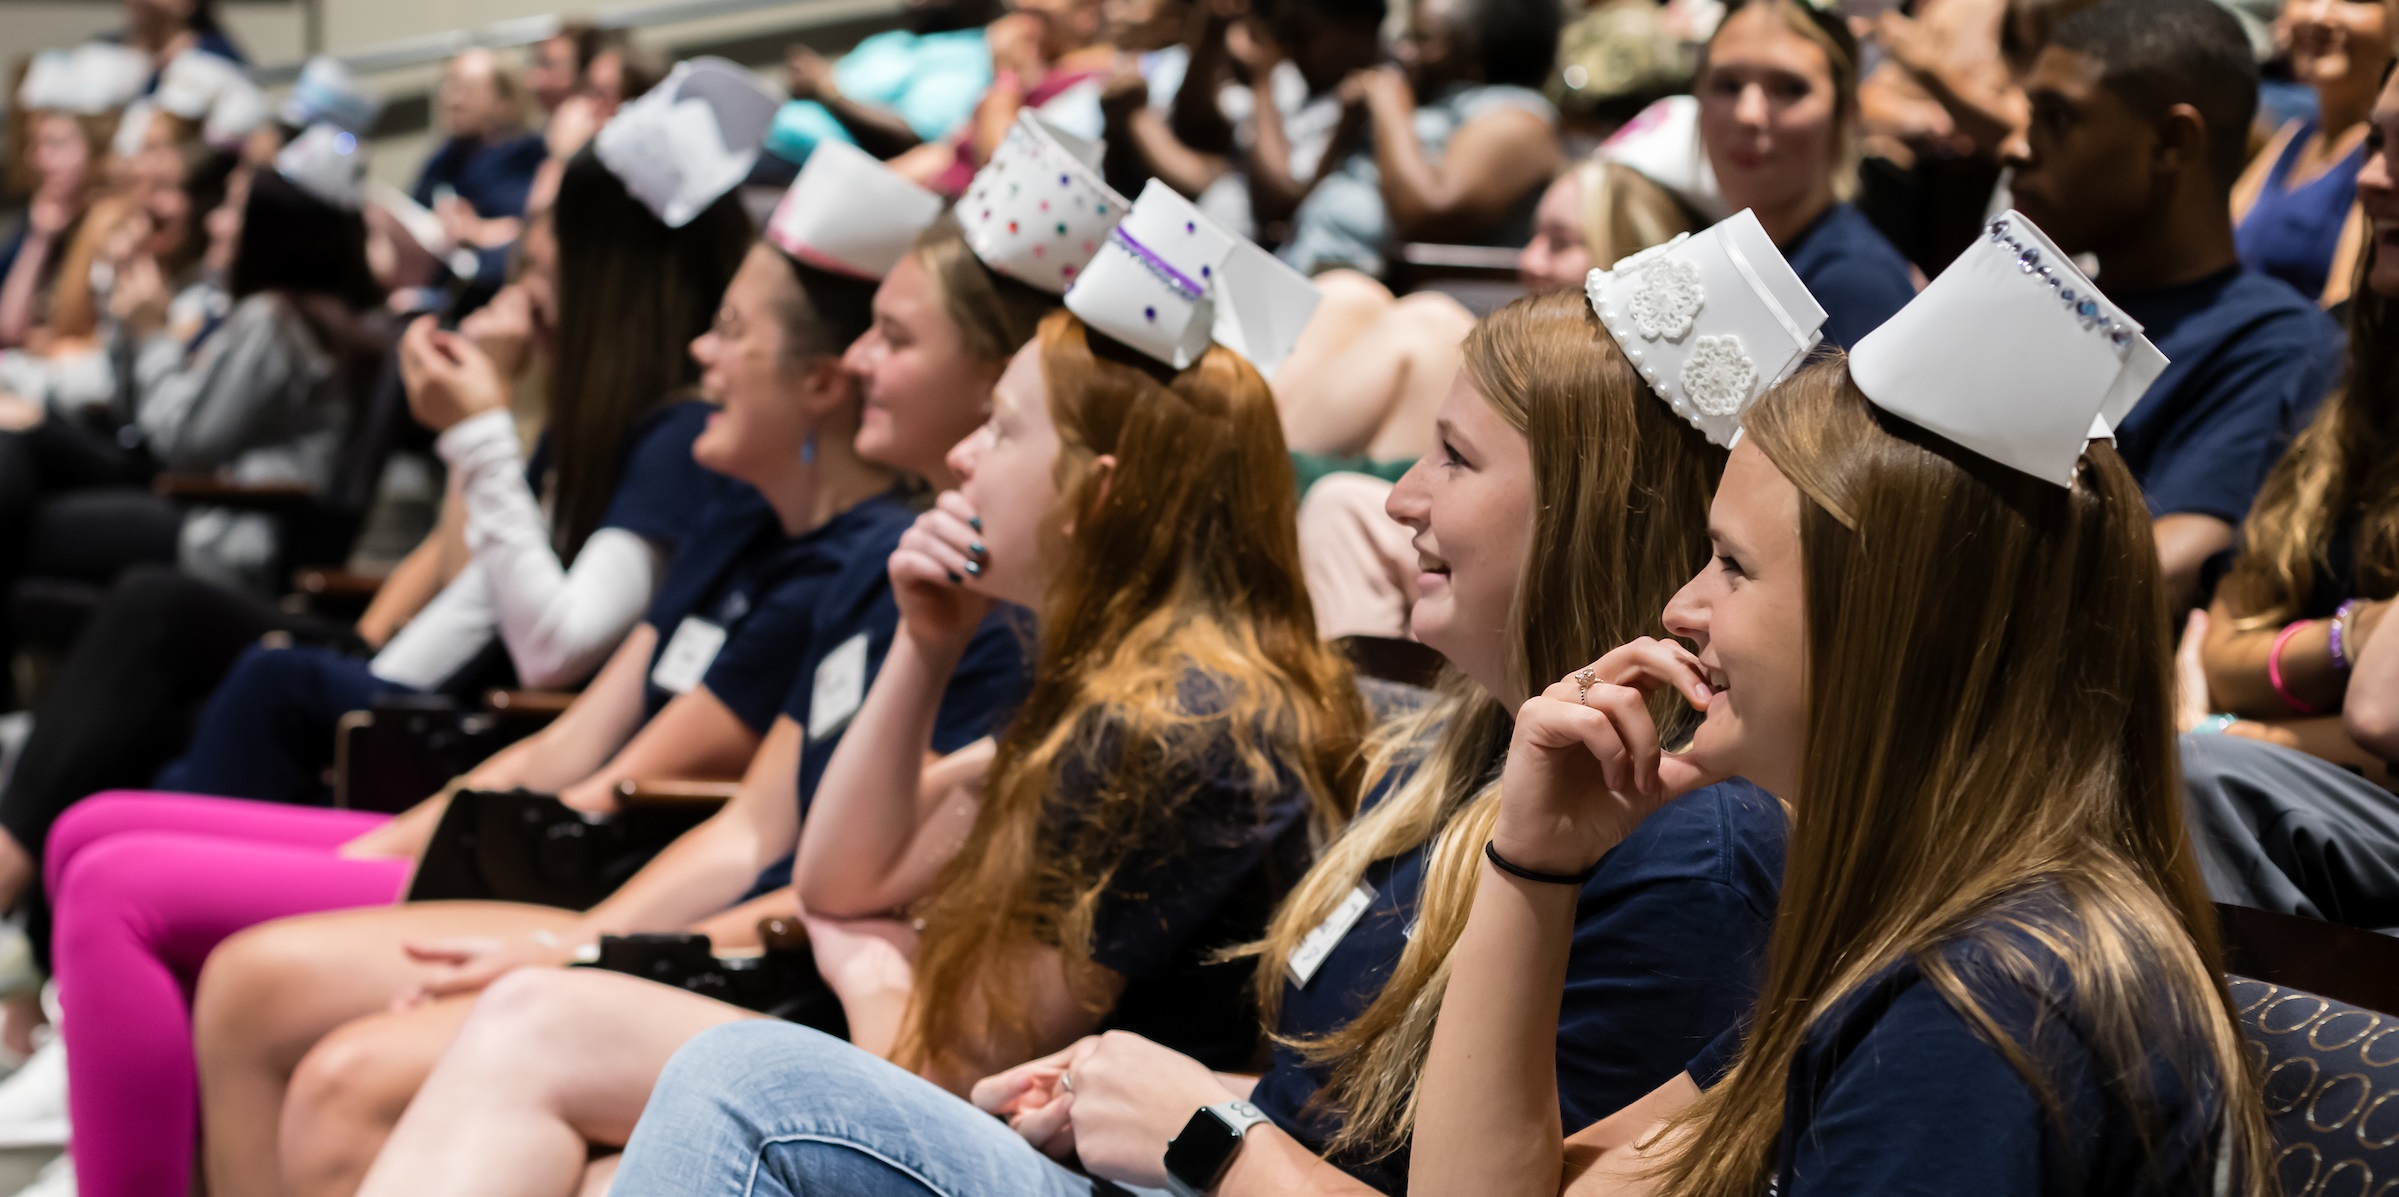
1200	1155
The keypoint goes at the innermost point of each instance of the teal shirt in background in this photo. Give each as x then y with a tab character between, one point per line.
931	80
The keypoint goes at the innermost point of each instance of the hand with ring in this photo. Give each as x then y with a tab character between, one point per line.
1586	765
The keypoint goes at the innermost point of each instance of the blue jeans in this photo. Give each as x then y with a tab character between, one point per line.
773	1108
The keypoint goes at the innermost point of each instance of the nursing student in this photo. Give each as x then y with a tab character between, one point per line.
1565	499
1933	623
1186	738
944	321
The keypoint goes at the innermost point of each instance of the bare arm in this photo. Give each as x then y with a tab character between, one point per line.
2370	709
419	576
2236	660
2324	736
2184	543
1164	155
874	801
1493	162
710	867
591	729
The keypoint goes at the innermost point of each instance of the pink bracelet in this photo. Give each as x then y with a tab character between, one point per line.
2274	666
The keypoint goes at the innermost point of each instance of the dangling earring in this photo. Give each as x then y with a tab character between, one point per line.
808	450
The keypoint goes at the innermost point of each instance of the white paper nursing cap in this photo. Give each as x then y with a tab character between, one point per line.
1711	320
2012	353
1662	143
198	86
849	213
92	78
327	163
689	140
1038	211
1169	281
327	92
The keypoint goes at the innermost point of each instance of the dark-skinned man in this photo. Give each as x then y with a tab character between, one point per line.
2140	124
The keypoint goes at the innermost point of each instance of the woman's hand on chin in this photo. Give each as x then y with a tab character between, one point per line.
1586	765
934	572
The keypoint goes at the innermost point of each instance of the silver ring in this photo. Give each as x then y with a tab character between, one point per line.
1066	1081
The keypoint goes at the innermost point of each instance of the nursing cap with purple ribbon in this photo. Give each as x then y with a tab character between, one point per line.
1170	281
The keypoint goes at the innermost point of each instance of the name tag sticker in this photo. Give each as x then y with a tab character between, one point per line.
840	688
688	654
1318	944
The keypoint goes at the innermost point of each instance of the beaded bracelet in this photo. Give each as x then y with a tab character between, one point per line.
2337	637
2274	667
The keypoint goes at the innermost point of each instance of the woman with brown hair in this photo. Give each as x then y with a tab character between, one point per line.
1934	624
1563	501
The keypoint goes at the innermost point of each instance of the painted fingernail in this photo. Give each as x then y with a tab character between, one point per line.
954	578
975	522
974	569
978	550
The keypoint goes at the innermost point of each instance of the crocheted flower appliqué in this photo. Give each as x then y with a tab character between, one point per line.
1718	374
1666	299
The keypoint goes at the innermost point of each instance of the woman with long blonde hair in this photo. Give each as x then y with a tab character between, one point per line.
1562	502
1993	969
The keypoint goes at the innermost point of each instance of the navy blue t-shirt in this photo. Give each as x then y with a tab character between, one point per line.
1669	940
1212	856
1893	1093
982	693
660	491
1853	270
492	178
741	581
2250	359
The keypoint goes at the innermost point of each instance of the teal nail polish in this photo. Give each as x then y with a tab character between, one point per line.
978	550
954	578
974	569
975	522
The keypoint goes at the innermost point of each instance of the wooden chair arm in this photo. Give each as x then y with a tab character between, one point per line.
210	490
336	584
536	704
676	792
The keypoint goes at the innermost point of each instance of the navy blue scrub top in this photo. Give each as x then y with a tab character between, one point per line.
1893	1094
492	178
1669	941
660	492
1205	873
2249	360
1851	269
742	575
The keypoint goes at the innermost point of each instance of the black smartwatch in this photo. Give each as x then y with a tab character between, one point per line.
1198	1157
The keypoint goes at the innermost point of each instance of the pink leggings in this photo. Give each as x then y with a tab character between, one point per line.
145	886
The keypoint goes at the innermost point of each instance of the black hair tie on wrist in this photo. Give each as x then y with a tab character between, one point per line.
1512	869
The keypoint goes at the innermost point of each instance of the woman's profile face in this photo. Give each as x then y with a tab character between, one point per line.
1768	113
2335	42
923	392
1470	505
2378	190
1743	615
59	153
1558	255
1007	470
759	426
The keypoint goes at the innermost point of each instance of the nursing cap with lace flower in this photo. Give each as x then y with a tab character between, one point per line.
2012	353
1038	211
1710	320
1169	282
850	214
689	140
90	79
327	163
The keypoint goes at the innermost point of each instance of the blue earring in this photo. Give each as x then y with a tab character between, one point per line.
808	450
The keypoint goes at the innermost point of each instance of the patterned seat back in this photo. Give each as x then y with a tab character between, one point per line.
2331	1081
